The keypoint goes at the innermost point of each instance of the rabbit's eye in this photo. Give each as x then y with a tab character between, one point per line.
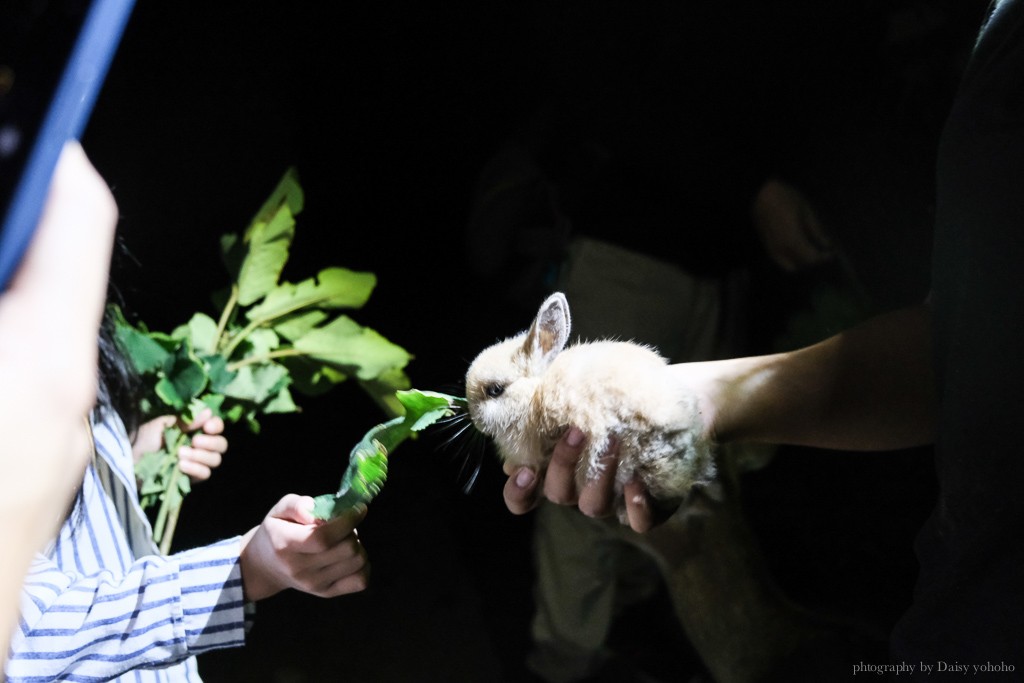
494	390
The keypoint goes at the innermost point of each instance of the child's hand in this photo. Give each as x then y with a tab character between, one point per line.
290	549
198	460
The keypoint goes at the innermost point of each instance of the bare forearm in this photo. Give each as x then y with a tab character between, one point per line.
869	388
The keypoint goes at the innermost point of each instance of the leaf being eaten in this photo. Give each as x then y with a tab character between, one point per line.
367	465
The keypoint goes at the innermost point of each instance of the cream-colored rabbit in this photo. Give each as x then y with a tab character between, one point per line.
524	393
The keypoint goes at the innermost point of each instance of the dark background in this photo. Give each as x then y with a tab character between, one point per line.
388	110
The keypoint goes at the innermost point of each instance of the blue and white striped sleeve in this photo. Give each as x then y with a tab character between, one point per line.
96	627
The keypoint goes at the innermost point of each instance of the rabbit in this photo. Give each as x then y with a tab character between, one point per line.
525	391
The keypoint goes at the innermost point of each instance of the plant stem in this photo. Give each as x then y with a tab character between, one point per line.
160	527
259	322
270	355
238	338
172	522
225	315
172	498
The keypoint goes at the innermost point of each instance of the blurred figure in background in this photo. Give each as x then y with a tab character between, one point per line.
944	371
663	169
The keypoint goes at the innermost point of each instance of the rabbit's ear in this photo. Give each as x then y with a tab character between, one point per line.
550	329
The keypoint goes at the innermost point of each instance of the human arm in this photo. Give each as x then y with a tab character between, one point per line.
154	612
49	321
868	388
198	459
162	610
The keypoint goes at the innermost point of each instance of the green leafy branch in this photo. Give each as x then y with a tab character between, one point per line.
269	338
368	461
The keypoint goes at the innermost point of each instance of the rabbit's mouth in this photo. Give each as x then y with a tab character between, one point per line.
482	427
478	415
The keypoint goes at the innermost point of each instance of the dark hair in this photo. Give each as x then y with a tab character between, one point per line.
119	386
117	390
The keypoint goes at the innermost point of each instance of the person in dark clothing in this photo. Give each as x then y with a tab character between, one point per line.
660	175
644	186
946	372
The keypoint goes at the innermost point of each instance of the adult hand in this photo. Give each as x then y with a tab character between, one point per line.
292	549
525	488
197	460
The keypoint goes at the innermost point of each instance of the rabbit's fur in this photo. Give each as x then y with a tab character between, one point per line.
524	393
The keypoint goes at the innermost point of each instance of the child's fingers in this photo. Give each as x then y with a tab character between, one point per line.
208	442
195	471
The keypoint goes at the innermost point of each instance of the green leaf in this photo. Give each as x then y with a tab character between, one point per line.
217	371
187	374
156	470
281	403
148	470
201	330
288	193
234	413
349	346
290	343
168	393
294	326
209	400
268	251
310	377
261	342
264	247
257	383
424	408
147	352
367	466
243	386
331	288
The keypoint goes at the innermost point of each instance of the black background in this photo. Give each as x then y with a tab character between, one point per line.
388	110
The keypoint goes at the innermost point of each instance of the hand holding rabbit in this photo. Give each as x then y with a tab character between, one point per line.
641	429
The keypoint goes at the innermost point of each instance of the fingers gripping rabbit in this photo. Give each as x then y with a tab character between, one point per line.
525	391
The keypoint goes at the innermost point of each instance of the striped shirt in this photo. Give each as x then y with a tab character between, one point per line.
103	604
